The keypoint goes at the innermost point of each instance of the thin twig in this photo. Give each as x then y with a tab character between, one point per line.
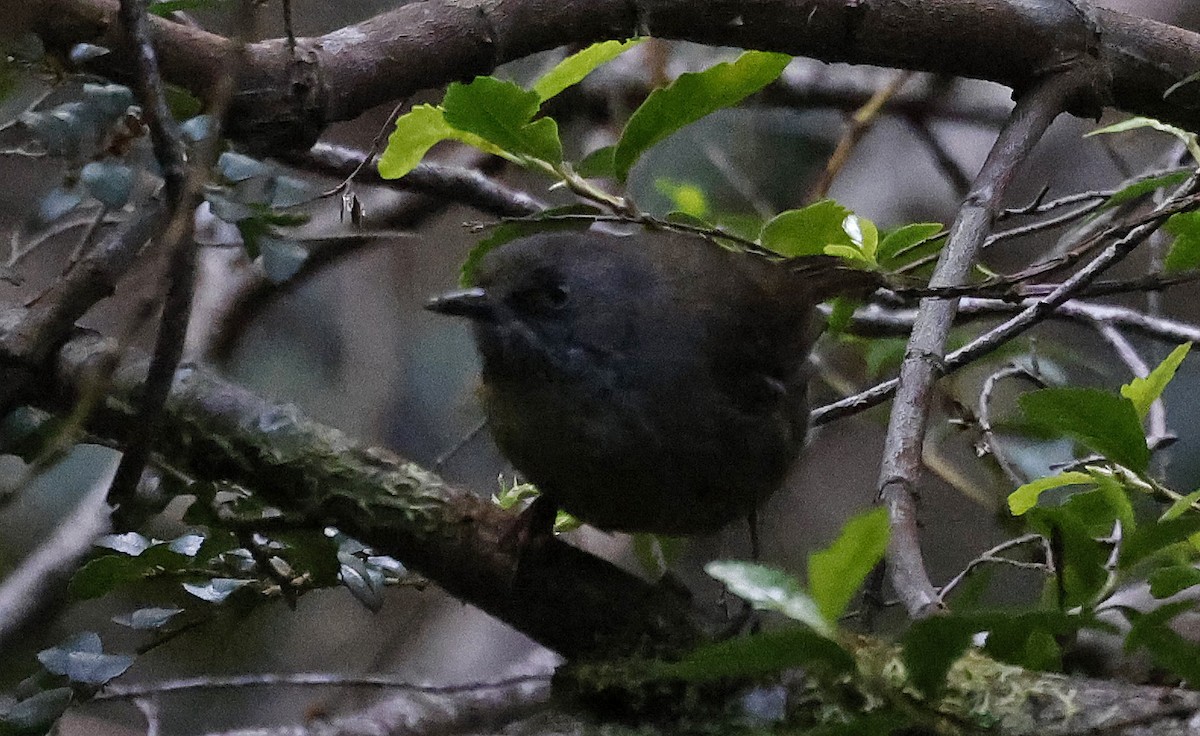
992	556
860	122
901	465
306	679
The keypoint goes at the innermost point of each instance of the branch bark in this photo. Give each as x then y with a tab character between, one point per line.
287	97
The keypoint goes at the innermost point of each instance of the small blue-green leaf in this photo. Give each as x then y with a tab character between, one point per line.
807	231
1103	422
691	97
281	258
1144	391
58	202
835	572
574	68
215	590
187	545
147	618
768	589
365	582
109	181
238	167
129	543
1026	497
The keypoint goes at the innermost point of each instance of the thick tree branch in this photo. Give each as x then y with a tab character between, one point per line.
288	96
563	598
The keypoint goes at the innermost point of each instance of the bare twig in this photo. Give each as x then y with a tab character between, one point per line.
992	556
900	470
860	122
306	679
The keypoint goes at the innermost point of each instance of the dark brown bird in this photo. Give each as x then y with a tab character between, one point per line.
648	383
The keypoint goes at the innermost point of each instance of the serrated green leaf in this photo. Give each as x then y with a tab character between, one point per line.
1167	581
501	113
685	196
1144	391
836	572
1082	563
1149	539
598	163
807	231
896	244
574	68
756	655
1184	253
1145	186
840	314
768	589
1103	422
691	97
105	574
415	133
1181	506
1026	497
1188	138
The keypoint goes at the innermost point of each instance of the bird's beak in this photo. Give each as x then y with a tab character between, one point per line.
470	303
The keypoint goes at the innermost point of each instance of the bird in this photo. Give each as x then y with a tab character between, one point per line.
653	382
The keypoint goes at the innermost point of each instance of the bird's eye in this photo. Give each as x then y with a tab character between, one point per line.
540	299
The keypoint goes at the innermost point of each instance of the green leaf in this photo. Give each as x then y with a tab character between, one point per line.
895	246
575	67
1144	391
756	655
1149	539
416	132
1167	581
836	572
685	197
864	235
1184	253
691	97
807	231
105	574
1188	138
768	589
932	645
501	113
1082	562
1146	186
1103	422
1169	650
598	163
840	315
1026	497
1181	506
